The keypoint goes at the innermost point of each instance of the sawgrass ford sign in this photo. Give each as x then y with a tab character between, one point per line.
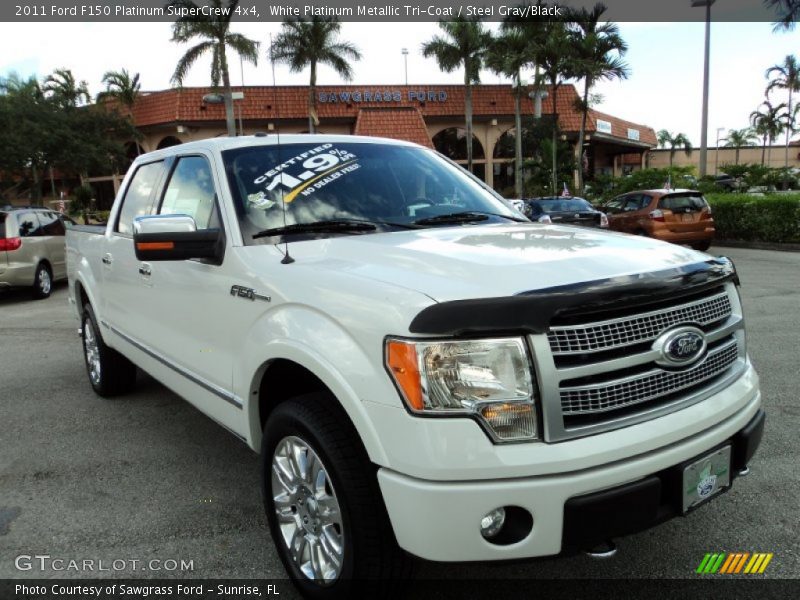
378	95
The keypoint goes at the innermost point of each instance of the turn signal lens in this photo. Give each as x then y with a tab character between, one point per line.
510	420
657	215
603	220
401	358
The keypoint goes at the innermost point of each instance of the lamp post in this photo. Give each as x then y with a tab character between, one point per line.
716	158
704	125
405	59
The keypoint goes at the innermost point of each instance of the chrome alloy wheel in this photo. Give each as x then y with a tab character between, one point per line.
307	510
45	282
91	350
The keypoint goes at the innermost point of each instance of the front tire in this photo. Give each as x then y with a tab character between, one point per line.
323	503
42	282
110	373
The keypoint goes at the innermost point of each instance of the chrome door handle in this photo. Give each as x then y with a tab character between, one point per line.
107	259
145	270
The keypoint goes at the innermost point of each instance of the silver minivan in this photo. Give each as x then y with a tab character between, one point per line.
32	249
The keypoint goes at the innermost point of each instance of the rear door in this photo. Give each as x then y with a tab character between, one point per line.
684	211
34	246
123	293
54	236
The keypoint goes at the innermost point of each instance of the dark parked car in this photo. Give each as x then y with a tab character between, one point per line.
564	211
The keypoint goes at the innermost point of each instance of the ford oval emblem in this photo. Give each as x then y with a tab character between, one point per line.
680	346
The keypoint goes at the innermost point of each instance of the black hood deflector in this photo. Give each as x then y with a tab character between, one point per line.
534	311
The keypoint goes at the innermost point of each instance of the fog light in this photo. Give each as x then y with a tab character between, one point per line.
492	523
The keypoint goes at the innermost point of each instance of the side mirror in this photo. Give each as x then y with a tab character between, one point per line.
175	237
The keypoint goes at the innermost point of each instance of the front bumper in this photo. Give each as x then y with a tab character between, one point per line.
440	521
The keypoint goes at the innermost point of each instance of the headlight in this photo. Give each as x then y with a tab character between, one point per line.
489	380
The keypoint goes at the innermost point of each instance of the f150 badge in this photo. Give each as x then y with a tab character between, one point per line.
249	293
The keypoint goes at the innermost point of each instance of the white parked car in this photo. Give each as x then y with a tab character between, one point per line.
421	369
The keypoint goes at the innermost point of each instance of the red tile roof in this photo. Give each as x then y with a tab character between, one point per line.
430	101
396	123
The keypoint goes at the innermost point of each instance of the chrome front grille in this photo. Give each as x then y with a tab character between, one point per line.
611	334
652	384
600	375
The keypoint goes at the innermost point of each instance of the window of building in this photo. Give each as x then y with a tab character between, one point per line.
452	142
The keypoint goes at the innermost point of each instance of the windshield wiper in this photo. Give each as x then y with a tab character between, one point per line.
334	226
467	216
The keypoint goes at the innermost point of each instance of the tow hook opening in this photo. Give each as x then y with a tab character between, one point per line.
602	550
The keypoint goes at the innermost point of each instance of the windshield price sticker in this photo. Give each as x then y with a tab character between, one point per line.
310	171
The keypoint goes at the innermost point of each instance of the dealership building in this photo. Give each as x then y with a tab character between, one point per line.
431	115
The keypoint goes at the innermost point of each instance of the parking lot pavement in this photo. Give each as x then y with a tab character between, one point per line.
148	477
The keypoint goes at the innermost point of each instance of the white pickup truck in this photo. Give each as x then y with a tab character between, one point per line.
423	370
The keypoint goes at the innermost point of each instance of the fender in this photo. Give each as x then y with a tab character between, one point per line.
86	279
332	355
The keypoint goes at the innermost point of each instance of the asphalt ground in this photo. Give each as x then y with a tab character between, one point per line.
147	477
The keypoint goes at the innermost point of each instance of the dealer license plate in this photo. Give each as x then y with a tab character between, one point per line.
706	477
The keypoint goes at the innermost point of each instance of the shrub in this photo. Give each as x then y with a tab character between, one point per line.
770	218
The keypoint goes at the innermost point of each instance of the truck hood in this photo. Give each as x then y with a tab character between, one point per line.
484	261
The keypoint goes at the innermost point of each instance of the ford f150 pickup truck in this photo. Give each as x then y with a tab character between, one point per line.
424	371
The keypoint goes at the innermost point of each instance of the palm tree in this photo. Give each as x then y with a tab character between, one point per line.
123	89
556	55
599	50
214	31
65	90
120	86
675	142
785	76
768	122
464	44
508	54
308	43
740	138
29	93
788	13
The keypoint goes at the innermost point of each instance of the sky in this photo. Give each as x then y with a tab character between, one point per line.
664	90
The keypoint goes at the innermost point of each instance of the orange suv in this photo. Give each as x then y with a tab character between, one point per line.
678	216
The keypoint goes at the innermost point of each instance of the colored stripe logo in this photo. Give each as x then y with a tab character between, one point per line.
734	563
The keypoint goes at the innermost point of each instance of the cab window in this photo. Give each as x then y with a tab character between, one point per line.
138	199
190	191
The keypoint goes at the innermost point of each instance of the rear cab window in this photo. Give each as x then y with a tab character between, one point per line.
684	202
138	200
3	224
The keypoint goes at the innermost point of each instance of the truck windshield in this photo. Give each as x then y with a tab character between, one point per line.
383	184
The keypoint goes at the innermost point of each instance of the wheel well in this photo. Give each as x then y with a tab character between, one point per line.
284	379
80	296
47	264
